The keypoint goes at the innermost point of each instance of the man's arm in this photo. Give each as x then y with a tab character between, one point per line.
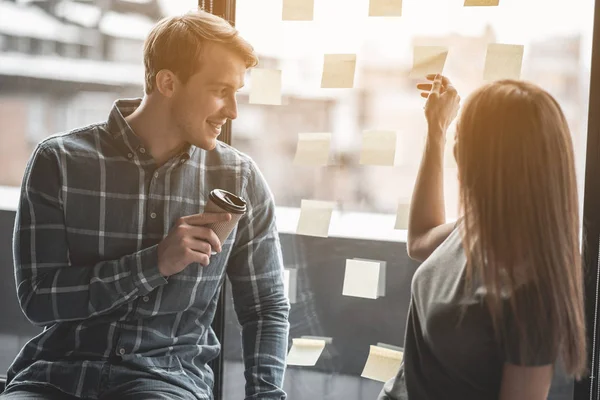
255	270
49	287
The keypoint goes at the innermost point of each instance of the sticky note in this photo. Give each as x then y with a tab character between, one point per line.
338	71
385	8
402	216
313	149
266	86
383	364
379	148
364	278
326	339
315	217
503	61
428	60
298	10
305	352
290	285
481	3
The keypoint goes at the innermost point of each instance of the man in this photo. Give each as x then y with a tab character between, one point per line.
113	255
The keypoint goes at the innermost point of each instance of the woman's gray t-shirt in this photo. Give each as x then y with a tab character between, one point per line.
450	349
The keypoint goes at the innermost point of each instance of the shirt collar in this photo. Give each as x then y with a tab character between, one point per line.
120	130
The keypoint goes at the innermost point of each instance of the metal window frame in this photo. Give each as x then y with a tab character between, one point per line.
225	9
588	387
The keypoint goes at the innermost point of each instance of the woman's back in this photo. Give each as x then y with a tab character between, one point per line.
490	322
451	350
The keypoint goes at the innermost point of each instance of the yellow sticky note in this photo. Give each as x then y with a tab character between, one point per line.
385	8
481	3
428	60
305	352
402	216
298	10
313	149
379	148
364	278
503	61
315	218
266	86
383	364
338	71
290	285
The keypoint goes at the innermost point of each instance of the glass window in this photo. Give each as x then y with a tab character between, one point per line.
557	40
62	64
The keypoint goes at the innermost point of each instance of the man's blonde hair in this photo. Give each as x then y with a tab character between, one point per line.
176	43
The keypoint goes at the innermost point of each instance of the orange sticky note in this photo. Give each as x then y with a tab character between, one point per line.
305	352
503	61
338	71
481	3
383	364
315	217
298	10
428	60
385	8
266	86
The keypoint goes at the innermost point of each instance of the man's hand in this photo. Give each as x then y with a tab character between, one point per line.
442	104
189	241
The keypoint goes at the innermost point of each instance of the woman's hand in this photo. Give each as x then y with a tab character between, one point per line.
442	104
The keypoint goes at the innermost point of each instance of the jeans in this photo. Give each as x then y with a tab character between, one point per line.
119	383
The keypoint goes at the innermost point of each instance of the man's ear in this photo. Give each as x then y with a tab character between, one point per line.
166	82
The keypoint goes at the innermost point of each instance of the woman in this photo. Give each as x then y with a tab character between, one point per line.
490	322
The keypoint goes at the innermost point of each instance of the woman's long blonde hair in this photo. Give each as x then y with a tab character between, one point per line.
521	220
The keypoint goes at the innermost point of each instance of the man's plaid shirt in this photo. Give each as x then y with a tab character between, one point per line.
93	208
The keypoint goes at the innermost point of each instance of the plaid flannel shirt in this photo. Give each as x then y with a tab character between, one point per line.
94	206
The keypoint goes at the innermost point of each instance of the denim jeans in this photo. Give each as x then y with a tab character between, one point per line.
118	383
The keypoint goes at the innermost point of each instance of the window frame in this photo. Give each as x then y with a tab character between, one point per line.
589	386
225	9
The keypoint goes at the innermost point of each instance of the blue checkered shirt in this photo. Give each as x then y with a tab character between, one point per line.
94	206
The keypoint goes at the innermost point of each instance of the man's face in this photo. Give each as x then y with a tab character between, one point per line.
202	106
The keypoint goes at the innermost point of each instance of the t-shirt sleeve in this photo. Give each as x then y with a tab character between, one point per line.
395	388
530	344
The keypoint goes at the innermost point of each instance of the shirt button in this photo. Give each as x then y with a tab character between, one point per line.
142	150
182	160
146	299
152	215
121	351
129	155
156	174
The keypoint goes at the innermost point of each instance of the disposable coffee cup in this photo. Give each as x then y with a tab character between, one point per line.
222	201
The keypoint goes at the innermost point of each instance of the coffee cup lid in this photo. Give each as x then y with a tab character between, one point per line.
228	201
